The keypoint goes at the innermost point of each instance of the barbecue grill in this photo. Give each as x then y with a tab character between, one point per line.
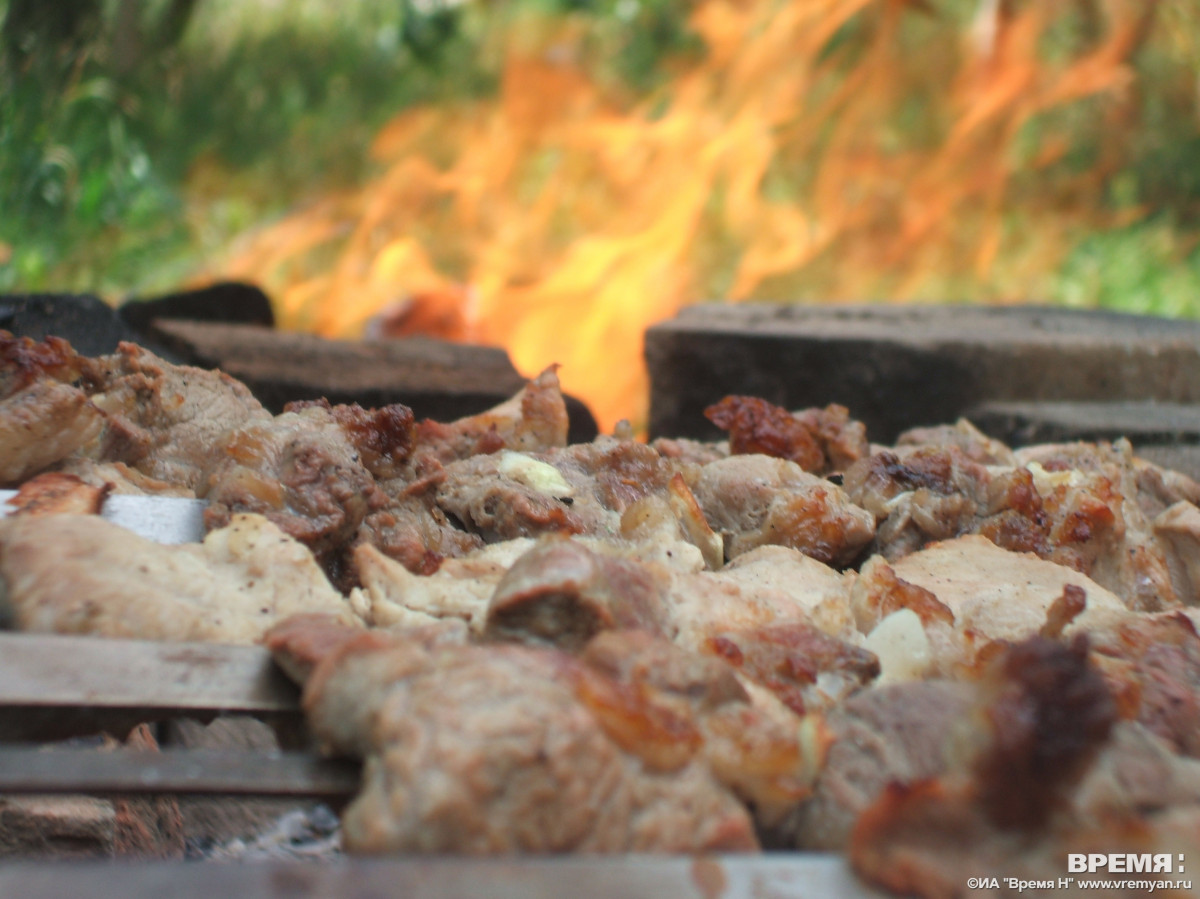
1024	375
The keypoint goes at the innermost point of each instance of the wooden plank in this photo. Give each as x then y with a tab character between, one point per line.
99	772
55	686
637	877
54	670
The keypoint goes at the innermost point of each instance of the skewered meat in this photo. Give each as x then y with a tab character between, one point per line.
962	653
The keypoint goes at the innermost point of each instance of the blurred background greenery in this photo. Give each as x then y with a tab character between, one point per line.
138	140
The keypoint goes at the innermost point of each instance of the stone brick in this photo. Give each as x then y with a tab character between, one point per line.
897	367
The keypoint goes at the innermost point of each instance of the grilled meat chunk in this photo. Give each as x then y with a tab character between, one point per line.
533	420
1152	664
298	469
757	500
1075	505
81	574
969	593
563	593
896	734
383	438
977	446
502	749
818	440
170	422
1047	771
24	361
40	425
55	493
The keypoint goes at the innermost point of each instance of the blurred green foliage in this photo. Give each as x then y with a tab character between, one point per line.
138	136
99	132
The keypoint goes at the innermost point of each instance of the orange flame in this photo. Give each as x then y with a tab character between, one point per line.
561	219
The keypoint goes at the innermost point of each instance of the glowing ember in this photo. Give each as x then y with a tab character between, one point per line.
559	220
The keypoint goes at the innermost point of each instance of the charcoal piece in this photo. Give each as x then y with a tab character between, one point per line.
91	325
229	301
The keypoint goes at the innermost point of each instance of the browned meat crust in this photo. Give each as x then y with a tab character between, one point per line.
1048	711
976	445
384	438
55	493
301	471
561	593
896	734
1152	663
412	529
818	440
40	425
533	420
662	699
789	659
686	451
171	422
1051	773
24	361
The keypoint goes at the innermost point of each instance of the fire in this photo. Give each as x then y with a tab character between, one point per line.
561	218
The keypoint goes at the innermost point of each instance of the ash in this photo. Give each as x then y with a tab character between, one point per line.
309	833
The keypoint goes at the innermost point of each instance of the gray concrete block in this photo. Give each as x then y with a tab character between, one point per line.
897	367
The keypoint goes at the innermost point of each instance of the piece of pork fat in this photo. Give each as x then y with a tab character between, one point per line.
81	574
756	500
1042	769
508	749
820	441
